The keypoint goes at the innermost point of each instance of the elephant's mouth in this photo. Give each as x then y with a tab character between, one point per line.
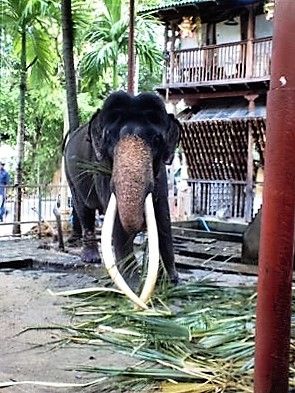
109	260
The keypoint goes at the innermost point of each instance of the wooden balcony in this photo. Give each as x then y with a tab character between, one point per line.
239	62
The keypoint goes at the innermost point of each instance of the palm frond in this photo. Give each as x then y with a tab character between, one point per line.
198	337
39	47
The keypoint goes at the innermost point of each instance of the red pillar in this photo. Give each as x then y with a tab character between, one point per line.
277	236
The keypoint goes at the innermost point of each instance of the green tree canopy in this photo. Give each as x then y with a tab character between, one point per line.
31	48
108	44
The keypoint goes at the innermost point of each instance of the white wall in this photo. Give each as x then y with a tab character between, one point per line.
226	34
7	155
263	27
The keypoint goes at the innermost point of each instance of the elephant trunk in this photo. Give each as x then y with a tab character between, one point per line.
132	179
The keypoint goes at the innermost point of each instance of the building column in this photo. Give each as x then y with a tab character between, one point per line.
276	252
250	40
250	185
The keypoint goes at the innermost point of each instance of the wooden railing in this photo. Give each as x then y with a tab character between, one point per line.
218	63
261	57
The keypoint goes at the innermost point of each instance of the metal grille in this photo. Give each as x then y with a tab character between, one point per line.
37	203
225	199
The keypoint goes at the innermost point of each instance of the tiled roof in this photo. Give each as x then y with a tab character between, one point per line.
165	4
218	149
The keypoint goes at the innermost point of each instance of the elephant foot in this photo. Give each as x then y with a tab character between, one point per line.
75	240
90	252
174	278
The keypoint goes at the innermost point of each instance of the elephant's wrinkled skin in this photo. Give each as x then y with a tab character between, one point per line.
251	241
135	138
251	238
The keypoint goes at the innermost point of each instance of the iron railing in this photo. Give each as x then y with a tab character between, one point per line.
221	198
37	203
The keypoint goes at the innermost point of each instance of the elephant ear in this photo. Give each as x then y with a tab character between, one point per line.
172	138
95	133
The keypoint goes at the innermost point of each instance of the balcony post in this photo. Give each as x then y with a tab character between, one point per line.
250	39
250	169
166	58
172	53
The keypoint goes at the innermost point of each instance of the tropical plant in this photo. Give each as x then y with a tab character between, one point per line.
108	38
69	67
28	28
75	16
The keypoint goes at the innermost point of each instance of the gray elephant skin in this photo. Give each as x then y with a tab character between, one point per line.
135	138
251	240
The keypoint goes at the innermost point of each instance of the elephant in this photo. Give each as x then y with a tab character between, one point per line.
127	144
251	241
251	238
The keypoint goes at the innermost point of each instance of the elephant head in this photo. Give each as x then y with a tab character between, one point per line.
137	137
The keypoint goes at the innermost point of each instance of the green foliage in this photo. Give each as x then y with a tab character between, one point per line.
196	337
44	127
8	112
36	18
149	80
44	134
108	37
101	45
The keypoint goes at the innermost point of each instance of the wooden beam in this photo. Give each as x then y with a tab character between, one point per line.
227	268
193	98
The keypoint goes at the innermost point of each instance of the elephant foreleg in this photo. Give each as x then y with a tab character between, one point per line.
86	216
165	237
76	236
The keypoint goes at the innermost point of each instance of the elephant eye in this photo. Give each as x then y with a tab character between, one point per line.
157	141
153	117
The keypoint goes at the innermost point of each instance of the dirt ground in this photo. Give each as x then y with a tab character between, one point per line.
25	302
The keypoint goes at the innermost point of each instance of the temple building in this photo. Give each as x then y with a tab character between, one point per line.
217	64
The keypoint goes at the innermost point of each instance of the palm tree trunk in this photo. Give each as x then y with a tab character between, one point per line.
68	57
115	75
131	47
20	134
71	89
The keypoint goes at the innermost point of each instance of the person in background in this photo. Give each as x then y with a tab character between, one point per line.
4	181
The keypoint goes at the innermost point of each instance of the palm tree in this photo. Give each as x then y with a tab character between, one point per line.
71	89
75	17
68	58
108	37
27	26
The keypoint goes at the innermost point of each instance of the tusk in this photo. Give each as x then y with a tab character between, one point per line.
153	263
108	257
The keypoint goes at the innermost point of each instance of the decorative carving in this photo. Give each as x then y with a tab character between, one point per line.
189	26
269	8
